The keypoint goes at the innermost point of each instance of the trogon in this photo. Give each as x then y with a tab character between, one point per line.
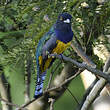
56	40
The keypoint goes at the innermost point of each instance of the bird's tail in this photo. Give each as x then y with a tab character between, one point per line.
39	85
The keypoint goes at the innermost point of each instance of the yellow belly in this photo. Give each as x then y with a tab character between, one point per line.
60	48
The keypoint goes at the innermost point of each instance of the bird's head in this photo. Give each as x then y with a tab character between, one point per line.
64	18
63	28
63	22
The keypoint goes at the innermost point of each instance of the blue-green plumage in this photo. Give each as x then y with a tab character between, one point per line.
56	40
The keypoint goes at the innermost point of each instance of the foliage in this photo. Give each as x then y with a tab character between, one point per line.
22	24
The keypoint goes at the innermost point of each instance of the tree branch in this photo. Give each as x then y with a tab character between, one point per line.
84	66
64	82
97	88
80	65
9	103
81	53
86	94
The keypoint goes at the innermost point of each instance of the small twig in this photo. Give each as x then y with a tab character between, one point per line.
84	66
51	75
52	103
26	104
73	96
9	103
91	31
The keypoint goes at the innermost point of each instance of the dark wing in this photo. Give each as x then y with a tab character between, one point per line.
49	46
42	42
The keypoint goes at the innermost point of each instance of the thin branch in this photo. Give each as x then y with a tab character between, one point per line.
53	88
73	96
81	53
9	103
84	66
24	105
51	75
64	82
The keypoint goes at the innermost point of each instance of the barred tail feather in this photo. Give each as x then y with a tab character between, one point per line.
39	85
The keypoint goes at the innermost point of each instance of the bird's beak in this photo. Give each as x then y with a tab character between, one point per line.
67	21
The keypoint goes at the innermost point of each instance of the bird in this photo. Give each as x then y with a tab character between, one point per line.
56	40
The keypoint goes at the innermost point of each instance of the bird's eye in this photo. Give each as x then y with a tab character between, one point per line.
61	18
